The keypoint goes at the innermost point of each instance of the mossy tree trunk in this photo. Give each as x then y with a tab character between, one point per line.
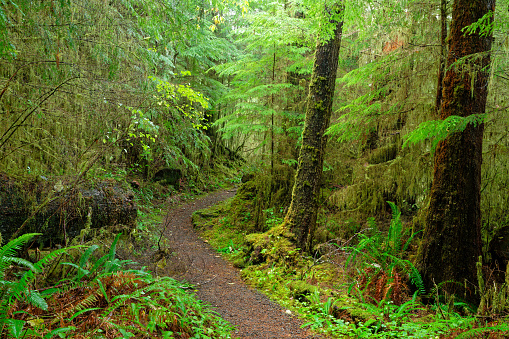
452	242
301	216
443	53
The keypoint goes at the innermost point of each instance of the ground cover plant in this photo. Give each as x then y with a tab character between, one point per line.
363	287
100	297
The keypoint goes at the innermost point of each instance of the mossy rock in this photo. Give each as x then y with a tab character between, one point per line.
350	310
301	289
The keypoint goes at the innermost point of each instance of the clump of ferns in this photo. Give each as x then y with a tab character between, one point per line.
383	273
103	298
22	289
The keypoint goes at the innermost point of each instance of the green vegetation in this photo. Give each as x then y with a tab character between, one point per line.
99	297
366	287
99	99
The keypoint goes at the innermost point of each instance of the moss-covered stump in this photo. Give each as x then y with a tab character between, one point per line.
63	209
273	246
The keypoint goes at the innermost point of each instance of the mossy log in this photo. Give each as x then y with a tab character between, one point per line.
60	210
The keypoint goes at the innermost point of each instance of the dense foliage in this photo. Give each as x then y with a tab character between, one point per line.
122	89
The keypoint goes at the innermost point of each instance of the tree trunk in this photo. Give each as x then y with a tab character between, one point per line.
452	243
443	53
301	216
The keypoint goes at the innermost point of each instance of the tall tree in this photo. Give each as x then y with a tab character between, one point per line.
301	216
452	242
443	52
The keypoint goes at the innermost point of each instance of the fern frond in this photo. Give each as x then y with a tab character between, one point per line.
34	297
438	130
364	243
476	332
19	262
395	229
30	275
416	280
86	255
409	241
10	249
111	265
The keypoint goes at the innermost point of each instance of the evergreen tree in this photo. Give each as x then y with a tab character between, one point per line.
452	237
303	211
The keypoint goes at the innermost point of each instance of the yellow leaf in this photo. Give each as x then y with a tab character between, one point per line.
36	322
161	263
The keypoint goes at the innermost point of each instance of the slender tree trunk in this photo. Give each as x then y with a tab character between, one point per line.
443	53
272	120
301	216
452	242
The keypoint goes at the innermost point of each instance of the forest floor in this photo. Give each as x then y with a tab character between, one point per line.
218	283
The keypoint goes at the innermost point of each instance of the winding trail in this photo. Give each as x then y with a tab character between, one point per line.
219	283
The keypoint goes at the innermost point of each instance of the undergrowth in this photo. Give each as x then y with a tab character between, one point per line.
363	287
99	298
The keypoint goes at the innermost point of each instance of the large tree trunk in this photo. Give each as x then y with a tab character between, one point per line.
452	242
301	216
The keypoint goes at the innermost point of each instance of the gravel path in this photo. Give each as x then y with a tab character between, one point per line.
219	283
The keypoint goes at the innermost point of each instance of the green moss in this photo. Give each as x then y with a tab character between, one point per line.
206	218
274	245
300	289
384	154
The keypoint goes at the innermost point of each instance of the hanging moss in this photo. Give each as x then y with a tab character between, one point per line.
383	154
404	180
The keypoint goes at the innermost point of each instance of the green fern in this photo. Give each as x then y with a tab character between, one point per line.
477	332
438	130
385	254
395	230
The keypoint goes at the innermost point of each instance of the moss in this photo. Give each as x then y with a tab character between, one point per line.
300	289
274	245
206	218
383	154
319	105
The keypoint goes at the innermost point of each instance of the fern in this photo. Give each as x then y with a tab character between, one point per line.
438	130
477	332
395	229
384	255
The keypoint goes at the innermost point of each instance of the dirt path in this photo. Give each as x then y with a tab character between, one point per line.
219	283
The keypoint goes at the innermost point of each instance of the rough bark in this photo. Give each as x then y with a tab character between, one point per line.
301	216
452	243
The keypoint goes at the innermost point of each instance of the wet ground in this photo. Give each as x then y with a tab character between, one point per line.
218	283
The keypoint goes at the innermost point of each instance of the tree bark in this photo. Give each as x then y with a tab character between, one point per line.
443	53
302	214
452	243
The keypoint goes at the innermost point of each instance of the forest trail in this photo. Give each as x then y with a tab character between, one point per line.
219	283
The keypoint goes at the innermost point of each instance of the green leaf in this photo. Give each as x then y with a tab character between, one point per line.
77	314
15	327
